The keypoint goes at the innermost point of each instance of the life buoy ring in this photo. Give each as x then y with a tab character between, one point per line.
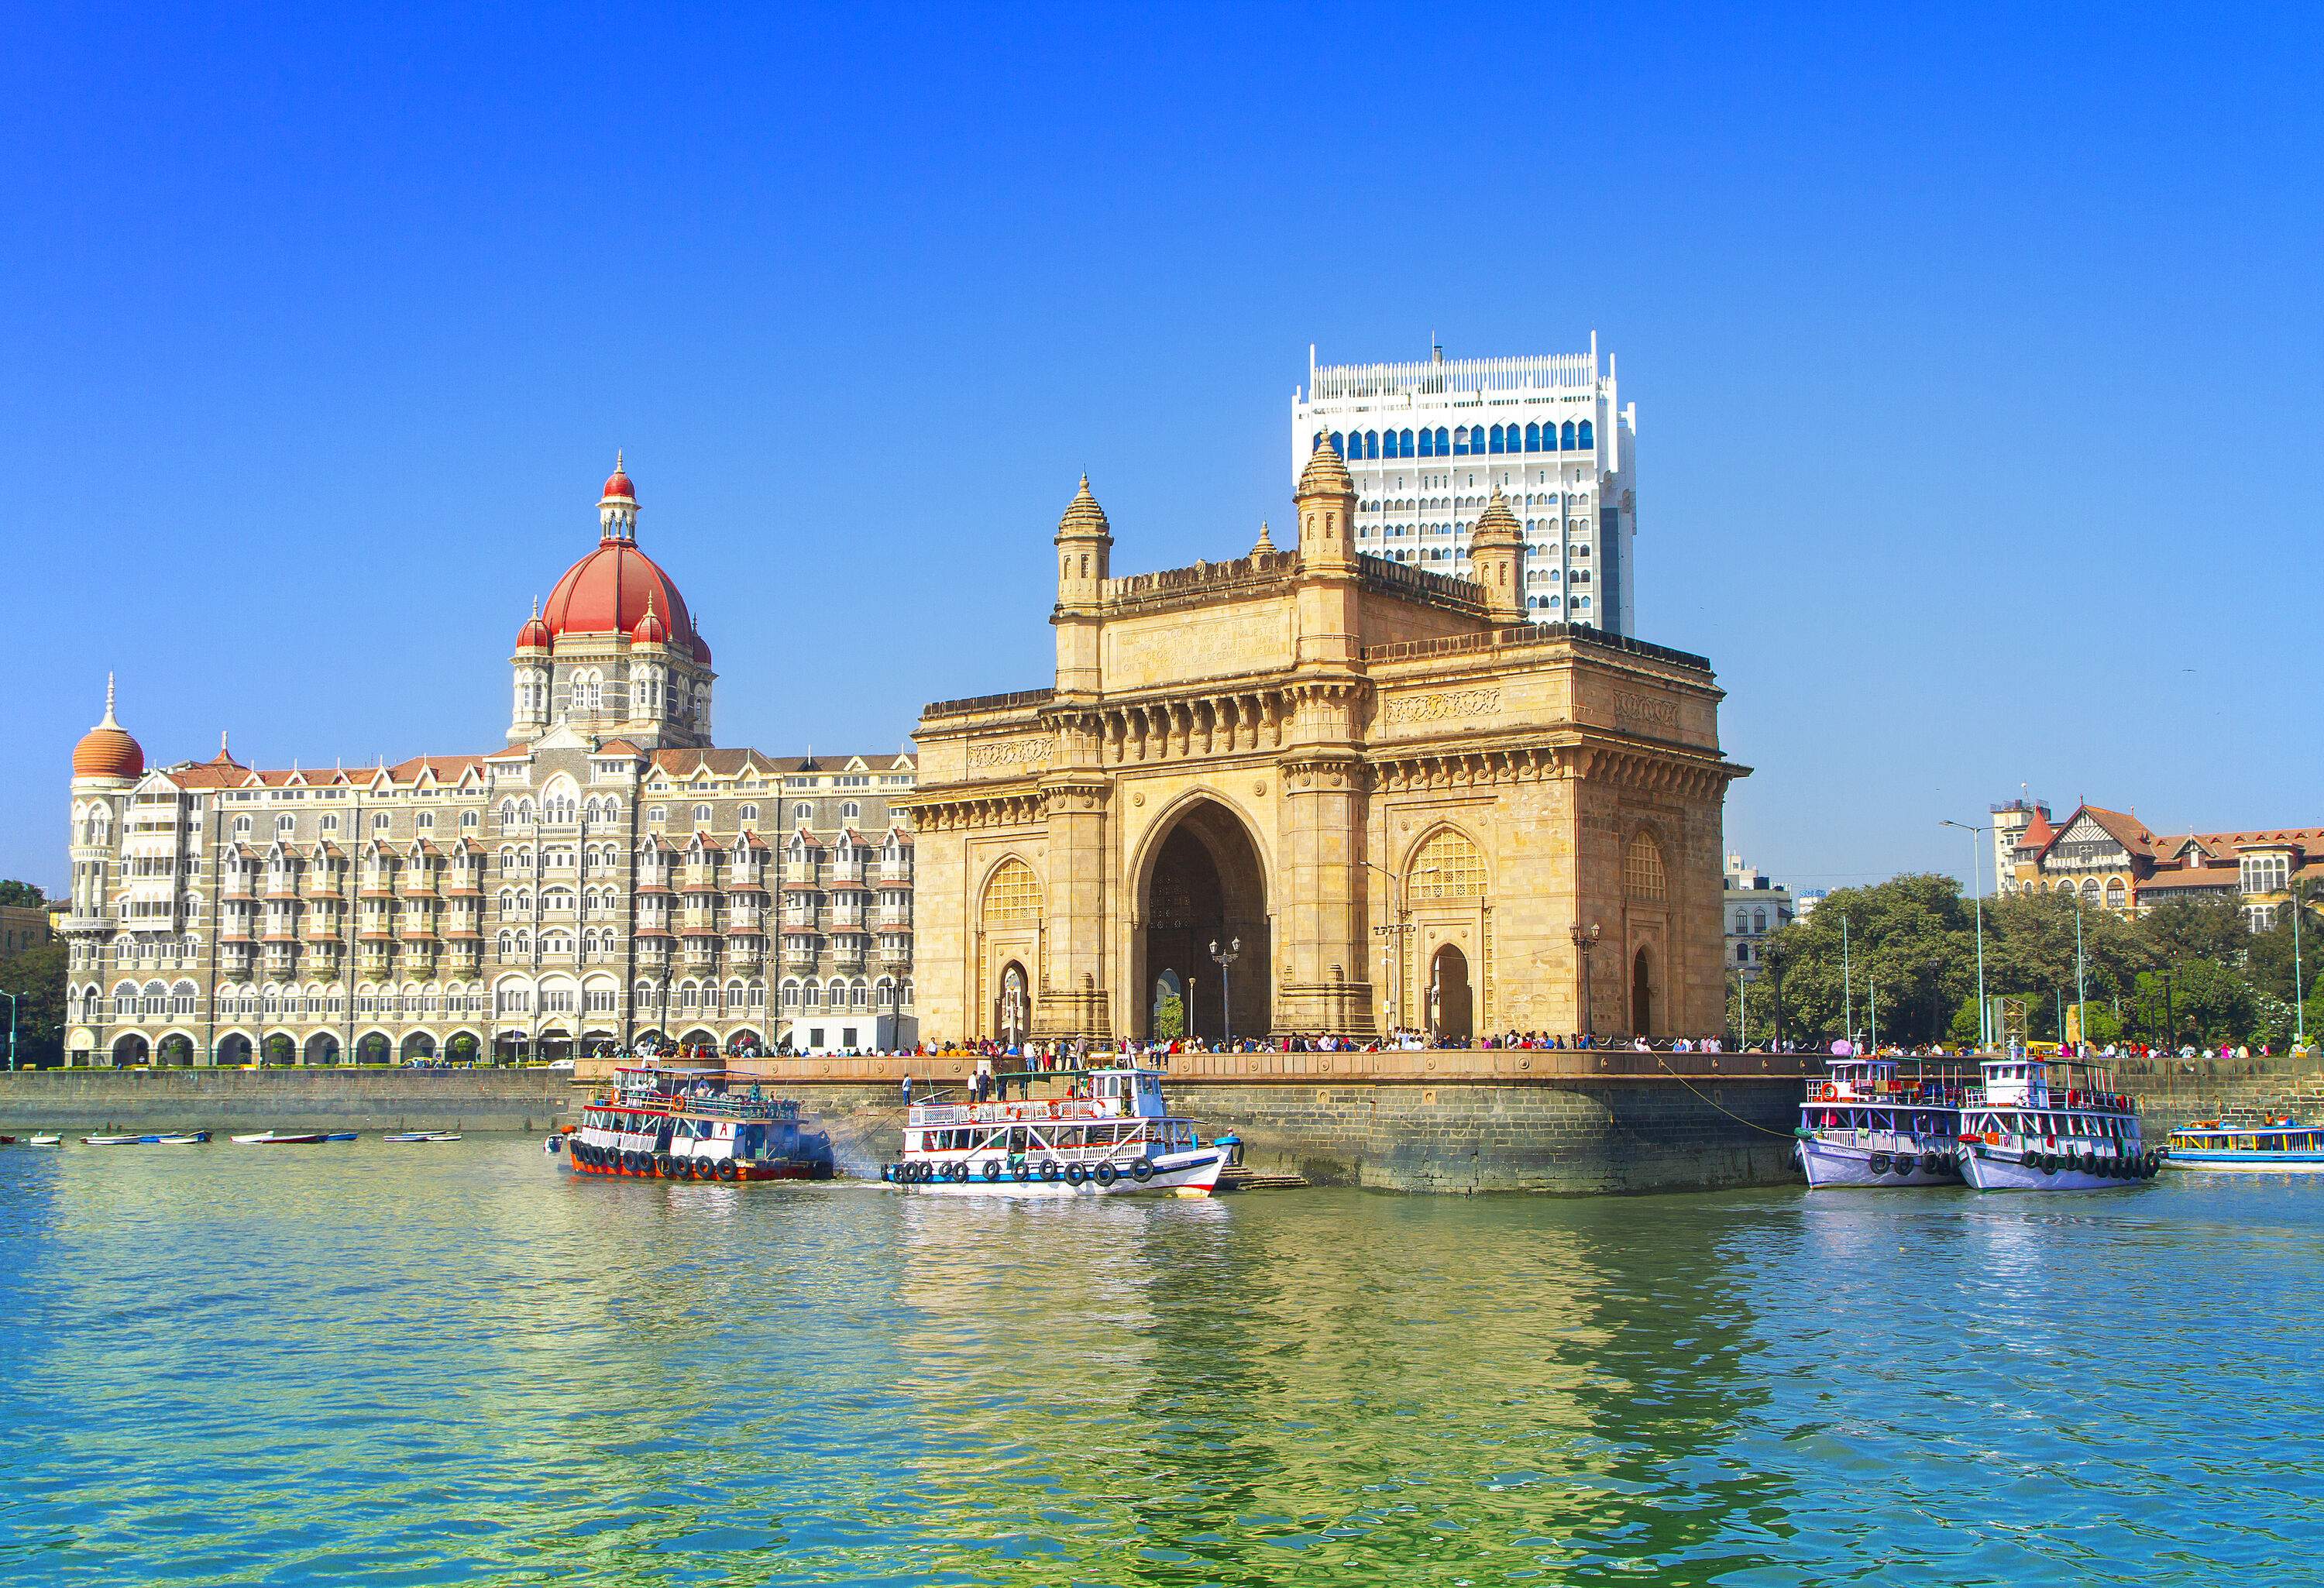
1075	1174
1022	1173
1880	1164
728	1169
1107	1175
992	1171
1140	1170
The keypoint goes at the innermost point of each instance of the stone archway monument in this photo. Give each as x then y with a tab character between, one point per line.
1347	764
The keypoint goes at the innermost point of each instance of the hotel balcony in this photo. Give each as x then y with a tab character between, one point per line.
746	953
318	931
895	954
751	879
701	953
238	886
798	952
319	885
421	885
697	879
896	871
798	873
895	916
282	887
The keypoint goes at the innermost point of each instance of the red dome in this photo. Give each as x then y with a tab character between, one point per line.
702	650
107	749
650	629
534	634
617	486
606	593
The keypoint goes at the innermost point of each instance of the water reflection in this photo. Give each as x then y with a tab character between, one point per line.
380	1363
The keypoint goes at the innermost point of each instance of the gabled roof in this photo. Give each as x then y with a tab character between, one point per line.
2192	878
2122	826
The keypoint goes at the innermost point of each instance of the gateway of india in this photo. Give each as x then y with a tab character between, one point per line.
1392	800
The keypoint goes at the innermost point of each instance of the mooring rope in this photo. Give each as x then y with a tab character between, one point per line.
1730	1113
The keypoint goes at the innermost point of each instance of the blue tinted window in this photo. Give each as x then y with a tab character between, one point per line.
1428	443
1586	441
1533	437
1565	436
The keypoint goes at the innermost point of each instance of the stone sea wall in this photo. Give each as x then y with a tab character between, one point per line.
1455	1121
2172	1092
98	1101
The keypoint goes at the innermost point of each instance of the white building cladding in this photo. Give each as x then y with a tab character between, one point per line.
1429	442
607	879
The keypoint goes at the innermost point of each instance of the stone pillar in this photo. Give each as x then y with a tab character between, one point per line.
1072	999
1320	942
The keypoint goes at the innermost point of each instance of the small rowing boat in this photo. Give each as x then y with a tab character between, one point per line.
156	1139
185	1139
338	1135
44	1140
421	1136
279	1139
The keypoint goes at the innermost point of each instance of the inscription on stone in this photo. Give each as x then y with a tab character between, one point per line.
1009	754
1644	711
1435	708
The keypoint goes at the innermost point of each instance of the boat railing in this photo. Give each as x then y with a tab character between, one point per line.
935	1115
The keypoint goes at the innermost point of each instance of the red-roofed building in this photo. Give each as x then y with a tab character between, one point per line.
2112	861
607	882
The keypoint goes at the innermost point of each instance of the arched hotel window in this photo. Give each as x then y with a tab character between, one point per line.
1013	896
2113	893
1404	444
1642	870
1565	436
1339	444
1586	440
1447	866
1428	443
1533	437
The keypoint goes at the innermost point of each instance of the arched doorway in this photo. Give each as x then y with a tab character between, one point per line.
129	1049
177	1049
1013	1010
510	1047
1205	884
323	1048
697	1042
418	1045
462	1048
555	1043
374	1048
1642	994
1167	1017
234	1048
280	1048
1452	1006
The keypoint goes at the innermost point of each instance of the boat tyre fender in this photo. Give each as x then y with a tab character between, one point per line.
1141	1172
1880	1164
1022	1173
1050	1173
1107	1175
1931	1164
663	1164
728	1169
1075	1174
959	1174
992	1171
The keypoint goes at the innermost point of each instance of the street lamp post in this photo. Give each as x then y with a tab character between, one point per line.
11	997
1225	957
1847	989
1391	939
1585	939
1977	896
2299	987
2082	1013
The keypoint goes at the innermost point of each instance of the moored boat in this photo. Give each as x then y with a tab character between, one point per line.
44	1140
154	1139
186	1139
688	1123
1104	1131
2281	1146
279	1139
421	1136
2035	1124
1877	1122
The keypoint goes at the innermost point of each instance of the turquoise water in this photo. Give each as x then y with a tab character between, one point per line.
384	1364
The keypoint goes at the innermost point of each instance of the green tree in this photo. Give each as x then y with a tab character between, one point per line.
15	892
1908	945
37	978
2186	928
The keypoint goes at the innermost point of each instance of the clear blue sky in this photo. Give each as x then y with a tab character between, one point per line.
1976	359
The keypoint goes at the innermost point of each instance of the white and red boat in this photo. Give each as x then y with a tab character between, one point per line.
688	1123
2041	1124
1102	1131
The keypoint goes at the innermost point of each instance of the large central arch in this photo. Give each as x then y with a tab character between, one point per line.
1204	882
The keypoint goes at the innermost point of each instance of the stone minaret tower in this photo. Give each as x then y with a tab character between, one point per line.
1326	499
1497	560
1084	563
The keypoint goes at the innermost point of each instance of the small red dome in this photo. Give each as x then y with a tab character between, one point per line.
107	749
617	486
606	593
650	629
534	635
702	650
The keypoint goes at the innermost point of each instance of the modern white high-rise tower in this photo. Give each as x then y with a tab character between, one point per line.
1429	442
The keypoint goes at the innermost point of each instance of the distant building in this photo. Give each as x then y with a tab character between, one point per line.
1428	444
2111	861
23	926
1757	905
1804	905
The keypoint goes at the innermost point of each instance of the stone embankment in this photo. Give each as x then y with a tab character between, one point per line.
1461	1120
2174	1091
104	1101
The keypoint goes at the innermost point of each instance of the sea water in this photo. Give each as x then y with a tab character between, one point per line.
389	1365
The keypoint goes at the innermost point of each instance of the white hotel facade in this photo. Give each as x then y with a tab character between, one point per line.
1429	442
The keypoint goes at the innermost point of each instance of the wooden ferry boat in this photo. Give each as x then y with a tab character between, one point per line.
1101	1131
1873	1121
2035	1124
2280	1146
681	1123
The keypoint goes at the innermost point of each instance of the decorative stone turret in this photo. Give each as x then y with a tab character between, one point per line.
1085	562
1327	511
1497	560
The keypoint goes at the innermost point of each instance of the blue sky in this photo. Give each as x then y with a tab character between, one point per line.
1975	355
